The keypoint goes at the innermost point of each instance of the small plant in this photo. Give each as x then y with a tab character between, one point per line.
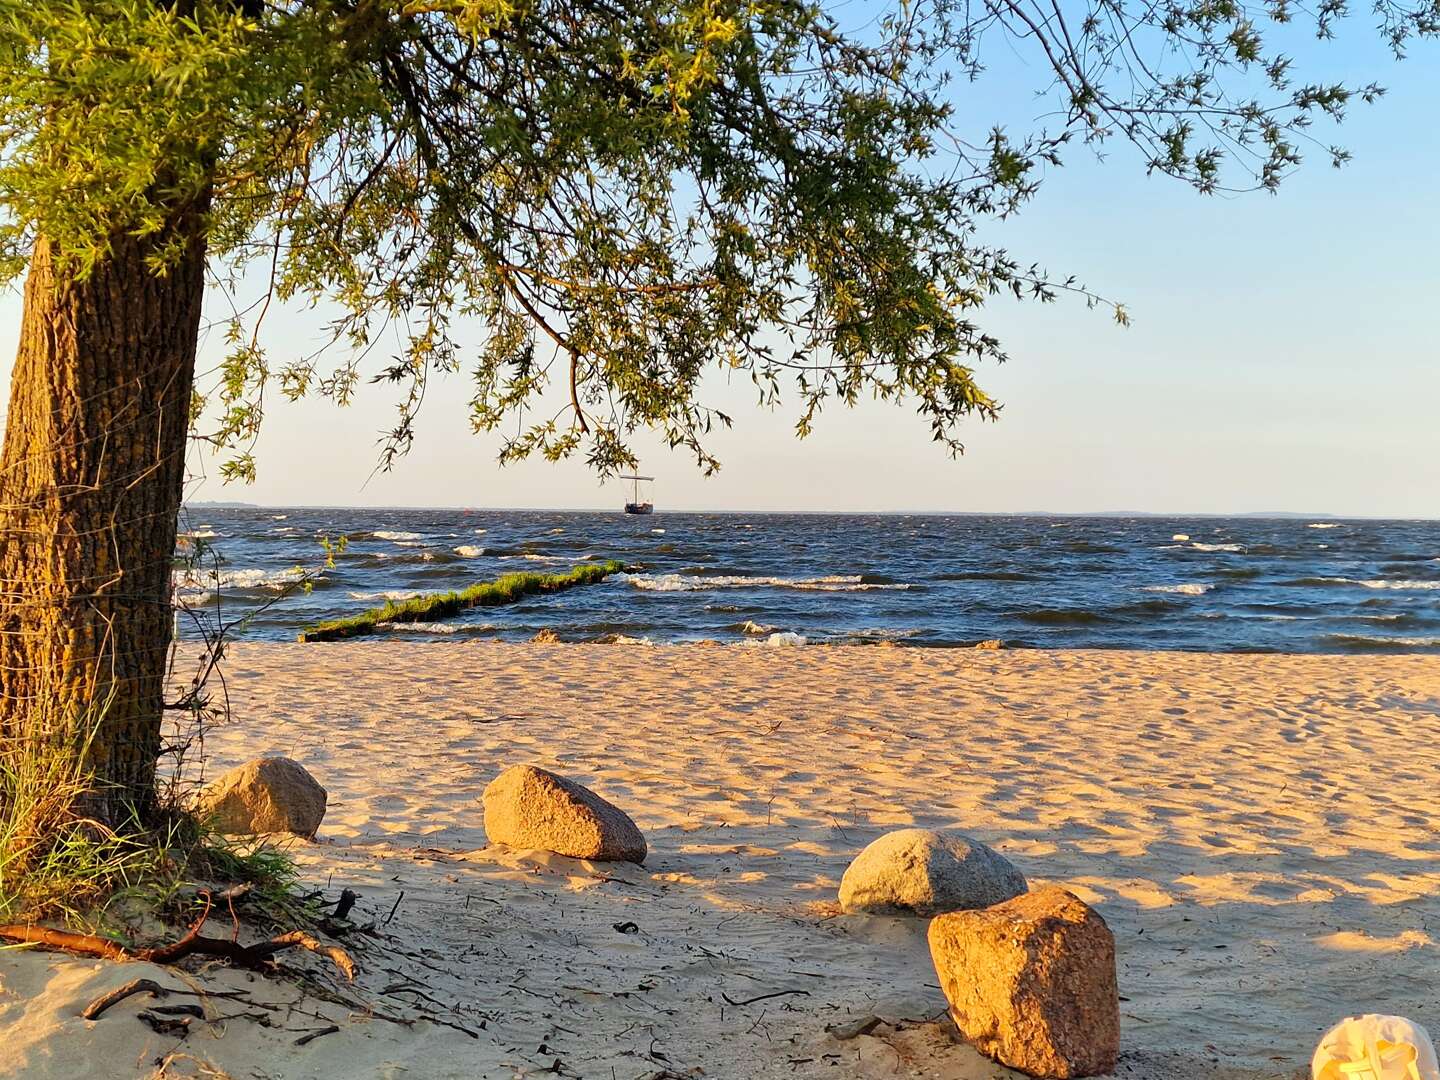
437	606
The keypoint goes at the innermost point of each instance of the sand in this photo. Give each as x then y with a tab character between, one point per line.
1259	832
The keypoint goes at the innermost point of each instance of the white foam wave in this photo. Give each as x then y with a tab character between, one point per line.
384	594
688	583
469	551
196	586
748	627
205	532
278	517
426	627
1180	536
1398	642
1323	525
388	534
1218	547
1378	583
1190	588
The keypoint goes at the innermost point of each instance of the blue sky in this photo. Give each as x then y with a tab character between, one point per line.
1283	357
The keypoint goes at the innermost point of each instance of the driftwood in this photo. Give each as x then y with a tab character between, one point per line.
192	944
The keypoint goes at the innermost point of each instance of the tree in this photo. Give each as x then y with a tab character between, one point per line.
628	193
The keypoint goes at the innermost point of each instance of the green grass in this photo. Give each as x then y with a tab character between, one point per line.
59	866
437	606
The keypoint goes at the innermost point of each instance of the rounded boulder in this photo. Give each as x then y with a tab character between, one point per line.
265	795
529	807
925	873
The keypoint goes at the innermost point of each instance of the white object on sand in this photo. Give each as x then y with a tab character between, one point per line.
1375	1047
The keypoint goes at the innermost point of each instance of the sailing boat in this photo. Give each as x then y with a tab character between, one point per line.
636	505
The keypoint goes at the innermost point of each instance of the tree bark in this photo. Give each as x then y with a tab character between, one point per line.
91	480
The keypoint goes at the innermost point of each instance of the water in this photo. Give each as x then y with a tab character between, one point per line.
1046	582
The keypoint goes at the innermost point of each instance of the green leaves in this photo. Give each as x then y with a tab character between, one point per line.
628	196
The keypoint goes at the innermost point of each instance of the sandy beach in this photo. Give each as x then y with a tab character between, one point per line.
1259	832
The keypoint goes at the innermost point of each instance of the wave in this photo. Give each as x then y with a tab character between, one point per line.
1063	617
194	587
385	594
1088	617
251	578
437	627
1370	583
1181	536
204	532
391	534
881	633
986	575
469	551
1322	525
690	583
1194	588
749	627
1218	547
1382	644
658	532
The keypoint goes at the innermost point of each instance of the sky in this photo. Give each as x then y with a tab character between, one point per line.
1282	357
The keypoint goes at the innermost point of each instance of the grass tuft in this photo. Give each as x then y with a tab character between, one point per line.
58	865
437	606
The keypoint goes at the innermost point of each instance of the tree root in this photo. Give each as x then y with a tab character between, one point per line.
192	944
119	994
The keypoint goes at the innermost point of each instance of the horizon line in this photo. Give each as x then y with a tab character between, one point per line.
1274	515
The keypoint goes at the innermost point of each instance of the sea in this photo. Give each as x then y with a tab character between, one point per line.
1218	584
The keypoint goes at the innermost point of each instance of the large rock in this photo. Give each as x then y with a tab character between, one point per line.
919	872
526	807
266	795
1031	983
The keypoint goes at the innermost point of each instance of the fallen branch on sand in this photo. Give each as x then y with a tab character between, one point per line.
192	944
504	590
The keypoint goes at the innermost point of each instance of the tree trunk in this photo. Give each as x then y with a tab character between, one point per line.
91	480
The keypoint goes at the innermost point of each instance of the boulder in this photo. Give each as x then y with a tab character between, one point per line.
265	795
1031	983
925	873
526	807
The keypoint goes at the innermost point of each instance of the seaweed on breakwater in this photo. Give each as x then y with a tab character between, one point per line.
503	590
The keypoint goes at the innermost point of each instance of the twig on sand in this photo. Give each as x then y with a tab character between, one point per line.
309	1037
394	909
764	997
